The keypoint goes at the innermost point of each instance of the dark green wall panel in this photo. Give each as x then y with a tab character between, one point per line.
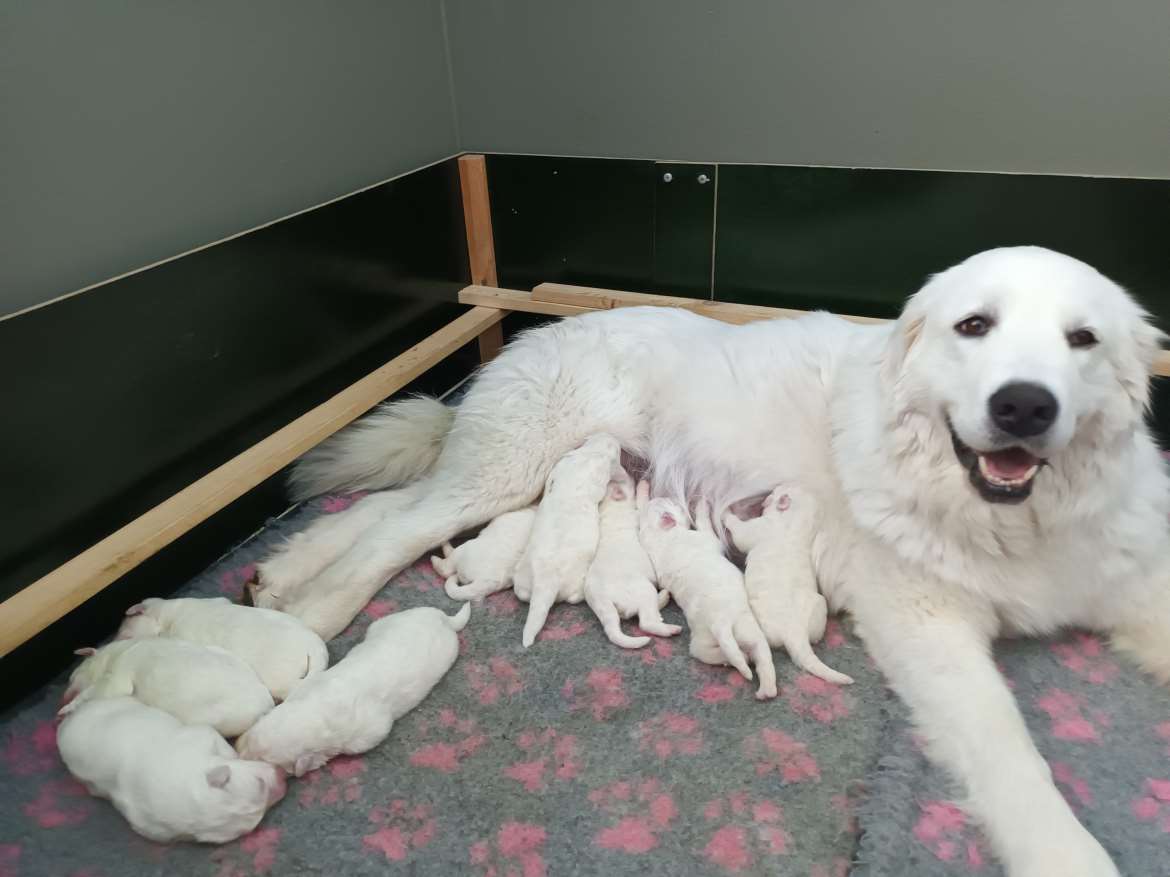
860	241
684	221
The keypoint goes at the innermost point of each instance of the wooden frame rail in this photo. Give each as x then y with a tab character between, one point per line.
34	608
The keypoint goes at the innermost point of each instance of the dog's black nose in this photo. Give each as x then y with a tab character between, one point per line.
1023	409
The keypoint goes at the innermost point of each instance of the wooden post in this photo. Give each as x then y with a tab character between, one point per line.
481	248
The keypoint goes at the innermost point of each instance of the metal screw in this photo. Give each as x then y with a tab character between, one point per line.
704	179
667	177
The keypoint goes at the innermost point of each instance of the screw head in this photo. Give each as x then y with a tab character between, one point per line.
703	179
667	177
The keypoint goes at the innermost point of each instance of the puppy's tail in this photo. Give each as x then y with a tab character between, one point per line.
806	659
472	590
459	620
539	605
725	636
396	444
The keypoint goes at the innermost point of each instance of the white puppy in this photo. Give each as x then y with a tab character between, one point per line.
280	648
566	530
620	581
198	685
779	579
351	707
486	563
169	780
706	585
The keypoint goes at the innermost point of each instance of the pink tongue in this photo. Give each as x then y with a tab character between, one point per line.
1010	464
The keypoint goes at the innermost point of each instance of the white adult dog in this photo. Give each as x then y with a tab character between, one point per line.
982	464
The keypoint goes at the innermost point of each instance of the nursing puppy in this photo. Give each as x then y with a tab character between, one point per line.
198	685
169	780
351	707
279	648
707	586
779	579
486	563
620	581
565	532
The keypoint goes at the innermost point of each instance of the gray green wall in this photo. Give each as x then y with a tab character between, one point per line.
132	130
1048	86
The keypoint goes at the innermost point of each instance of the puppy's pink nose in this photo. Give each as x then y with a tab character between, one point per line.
278	788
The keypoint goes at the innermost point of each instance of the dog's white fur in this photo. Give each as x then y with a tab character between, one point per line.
620	581
566	530
351	707
707	587
486	563
279	648
197	684
779	579
929	569
169	780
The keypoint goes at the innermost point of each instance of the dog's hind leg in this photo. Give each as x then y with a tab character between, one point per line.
282	574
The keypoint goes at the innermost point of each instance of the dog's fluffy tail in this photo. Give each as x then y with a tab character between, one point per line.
396	444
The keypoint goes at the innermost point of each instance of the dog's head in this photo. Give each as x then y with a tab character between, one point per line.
1016	355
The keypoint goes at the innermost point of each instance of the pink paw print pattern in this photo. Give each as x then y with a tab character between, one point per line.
462	740
721	685
515	851
502	603
1084	654
1163	731
492	681
660	648
419	577
253	855
838	868
817	699
749	830
772	750
602	693
34	752
231	581
340	781
942	828
565	624
1075	790
643	810
1068	719
9	860
60	803
545	756
400	828
1154	806
834	636
670	734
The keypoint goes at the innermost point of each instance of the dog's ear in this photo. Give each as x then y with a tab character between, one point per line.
1135	364
87	652
902	342
219	776
136	609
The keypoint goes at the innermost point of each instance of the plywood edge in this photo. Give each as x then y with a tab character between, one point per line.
516	300
34	608
727	312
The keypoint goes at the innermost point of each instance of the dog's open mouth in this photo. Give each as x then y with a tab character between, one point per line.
1005	475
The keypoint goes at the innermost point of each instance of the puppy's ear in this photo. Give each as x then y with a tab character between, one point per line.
87	652
616	491
219	776
136	609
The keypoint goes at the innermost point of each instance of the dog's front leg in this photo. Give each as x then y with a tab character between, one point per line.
935	649
1140	625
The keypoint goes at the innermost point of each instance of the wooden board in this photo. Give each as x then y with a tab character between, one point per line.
516	300
477	219
37	606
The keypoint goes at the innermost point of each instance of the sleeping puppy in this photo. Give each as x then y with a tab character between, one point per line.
198	685
620	581
486	563
706	585
779	579
278	647
566	530
351	707
169	780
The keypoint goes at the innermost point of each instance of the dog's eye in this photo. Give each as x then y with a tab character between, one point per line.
1081	338
974	326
